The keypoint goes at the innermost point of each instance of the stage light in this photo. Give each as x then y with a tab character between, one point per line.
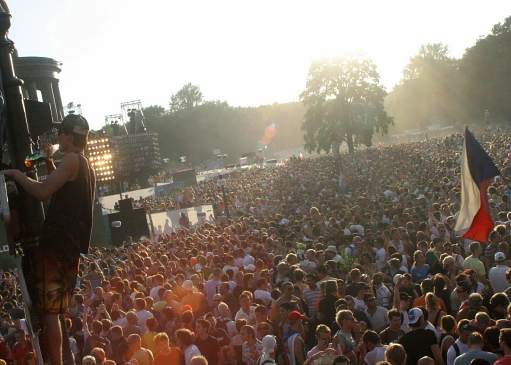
100	157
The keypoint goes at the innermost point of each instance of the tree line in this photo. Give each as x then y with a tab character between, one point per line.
344	103
439	89
194	127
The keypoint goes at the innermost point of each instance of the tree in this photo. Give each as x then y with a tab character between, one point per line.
486	71
502	28
153	114
154	111
344	103
188	97
196	132
428	92
430	58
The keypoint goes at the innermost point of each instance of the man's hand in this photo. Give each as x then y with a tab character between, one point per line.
13	173
48	151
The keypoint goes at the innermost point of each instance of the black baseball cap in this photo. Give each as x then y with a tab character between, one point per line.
73	123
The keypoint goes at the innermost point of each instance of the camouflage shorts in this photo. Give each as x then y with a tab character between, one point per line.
51	279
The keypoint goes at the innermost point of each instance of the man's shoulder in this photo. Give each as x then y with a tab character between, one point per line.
487	355
385	331
71	156
381	309
70	160
420	333
506	360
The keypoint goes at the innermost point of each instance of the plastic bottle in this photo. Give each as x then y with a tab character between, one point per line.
39	156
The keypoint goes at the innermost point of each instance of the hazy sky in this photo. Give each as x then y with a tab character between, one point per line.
244	52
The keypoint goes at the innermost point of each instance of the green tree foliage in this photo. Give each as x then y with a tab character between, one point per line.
185	99
438	89
344	103
196	131
486	75
428	92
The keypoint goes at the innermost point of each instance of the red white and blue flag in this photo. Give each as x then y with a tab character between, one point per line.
474	220
477	173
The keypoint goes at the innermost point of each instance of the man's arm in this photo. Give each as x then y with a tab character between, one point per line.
397	297
50	164
44	190
437	355
299	351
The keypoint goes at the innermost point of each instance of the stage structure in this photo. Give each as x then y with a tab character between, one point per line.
41	82
135	151
133	114
114	125
99	152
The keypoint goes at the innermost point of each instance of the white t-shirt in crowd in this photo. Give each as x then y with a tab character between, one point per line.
375	355
497	277
143	316
359	304
263	295
379	320
308	266
337	258
358	229
383	296
234	269
249	317
153	293
190	352
123	322
381	258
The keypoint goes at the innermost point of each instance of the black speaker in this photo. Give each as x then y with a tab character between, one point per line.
137	224
126	205
38	116
133	224
117	233
187	177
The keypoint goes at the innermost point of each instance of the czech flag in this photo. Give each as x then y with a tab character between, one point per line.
477	172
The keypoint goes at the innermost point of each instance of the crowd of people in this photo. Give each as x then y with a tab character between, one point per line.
311	269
